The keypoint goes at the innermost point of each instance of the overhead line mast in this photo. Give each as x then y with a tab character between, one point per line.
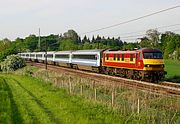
39	41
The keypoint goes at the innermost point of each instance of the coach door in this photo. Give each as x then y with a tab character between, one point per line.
137	60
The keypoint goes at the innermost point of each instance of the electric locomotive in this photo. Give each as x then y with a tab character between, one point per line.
143	64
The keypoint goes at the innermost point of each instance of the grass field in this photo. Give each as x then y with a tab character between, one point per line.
26	99
173	70
29	100
172	67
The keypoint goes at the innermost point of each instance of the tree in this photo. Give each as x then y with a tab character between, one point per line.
93	39
145	42
153	36
4	44
71	34
85	39
87	45
68	44
31	42
12	63
170	44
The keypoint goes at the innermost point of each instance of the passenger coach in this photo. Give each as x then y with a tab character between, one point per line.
63	58
87	59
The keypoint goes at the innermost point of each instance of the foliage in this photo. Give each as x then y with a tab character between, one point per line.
12	63
145	42
4	44
67	44
168	42
71	34
11	50
153	36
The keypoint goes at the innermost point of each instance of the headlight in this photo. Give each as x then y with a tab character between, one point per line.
146	65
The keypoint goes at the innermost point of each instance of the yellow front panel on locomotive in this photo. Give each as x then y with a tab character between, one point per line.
153	61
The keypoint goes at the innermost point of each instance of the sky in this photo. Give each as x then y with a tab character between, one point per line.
20	18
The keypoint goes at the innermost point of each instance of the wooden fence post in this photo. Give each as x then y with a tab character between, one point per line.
95	94
70	85
112	101
93	85
70	88
138	108
56	82
62	85
81	90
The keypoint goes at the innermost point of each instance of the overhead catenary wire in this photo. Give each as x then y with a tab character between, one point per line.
125	22
136	36
160	27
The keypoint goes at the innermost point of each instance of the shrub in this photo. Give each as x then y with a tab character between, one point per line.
12	63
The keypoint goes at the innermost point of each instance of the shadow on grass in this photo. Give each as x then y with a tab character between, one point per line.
41	105
175	78
15	114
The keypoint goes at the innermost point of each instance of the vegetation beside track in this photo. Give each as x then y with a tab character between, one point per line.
37	101
29	100
173	70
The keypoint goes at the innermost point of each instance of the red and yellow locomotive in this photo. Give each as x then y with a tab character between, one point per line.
143	64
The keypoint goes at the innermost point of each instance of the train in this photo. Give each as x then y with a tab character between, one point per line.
145	64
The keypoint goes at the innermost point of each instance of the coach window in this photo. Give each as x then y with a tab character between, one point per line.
107	56
39	55
58	56
118	58
91	57
122	57
114	56
49	55
131	57
32	55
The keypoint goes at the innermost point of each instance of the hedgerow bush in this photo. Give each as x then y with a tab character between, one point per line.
12	63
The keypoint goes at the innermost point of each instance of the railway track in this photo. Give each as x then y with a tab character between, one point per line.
176	85
164	88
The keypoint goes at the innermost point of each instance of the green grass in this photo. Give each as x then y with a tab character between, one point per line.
172	67
28	100
173	70
25	99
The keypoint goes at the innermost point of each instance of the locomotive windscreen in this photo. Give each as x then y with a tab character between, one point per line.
153	55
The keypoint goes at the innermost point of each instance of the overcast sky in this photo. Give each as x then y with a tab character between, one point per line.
20	18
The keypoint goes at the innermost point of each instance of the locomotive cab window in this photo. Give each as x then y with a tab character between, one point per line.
122	57
153	55
131	57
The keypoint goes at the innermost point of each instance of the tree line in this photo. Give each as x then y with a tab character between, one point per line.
168	42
